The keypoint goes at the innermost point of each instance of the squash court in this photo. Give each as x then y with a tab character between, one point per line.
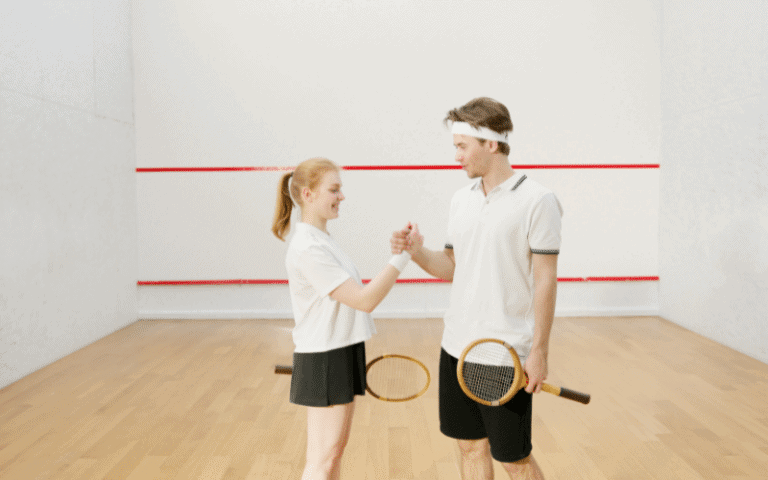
144	301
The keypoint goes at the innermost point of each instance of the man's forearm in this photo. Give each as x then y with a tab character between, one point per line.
544	311
436	263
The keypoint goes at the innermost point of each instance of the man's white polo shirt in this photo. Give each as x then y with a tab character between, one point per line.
493	239
316	265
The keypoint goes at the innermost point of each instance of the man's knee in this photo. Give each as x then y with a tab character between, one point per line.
475	448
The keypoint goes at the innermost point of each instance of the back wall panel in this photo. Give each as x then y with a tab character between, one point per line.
270	84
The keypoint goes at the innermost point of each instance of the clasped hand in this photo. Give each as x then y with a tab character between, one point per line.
408	239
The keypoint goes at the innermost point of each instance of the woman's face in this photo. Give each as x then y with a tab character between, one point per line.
327	196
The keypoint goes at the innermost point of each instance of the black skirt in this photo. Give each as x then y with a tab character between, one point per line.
328	378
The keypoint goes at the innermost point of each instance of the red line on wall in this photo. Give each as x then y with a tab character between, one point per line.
213	169
458	167
215	282
577	166
402	167
387	167
404	280
608	279
622	279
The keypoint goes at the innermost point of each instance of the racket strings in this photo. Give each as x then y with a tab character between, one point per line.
396	378
488	371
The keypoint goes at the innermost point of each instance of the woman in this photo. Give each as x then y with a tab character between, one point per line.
332	312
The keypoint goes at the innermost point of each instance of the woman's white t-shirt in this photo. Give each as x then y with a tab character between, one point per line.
316	266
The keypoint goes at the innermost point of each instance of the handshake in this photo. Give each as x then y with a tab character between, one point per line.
407	240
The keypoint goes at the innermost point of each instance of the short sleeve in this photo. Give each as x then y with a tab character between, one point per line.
321	269
544	233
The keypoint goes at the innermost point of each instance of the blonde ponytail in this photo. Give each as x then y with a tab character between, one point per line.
282	221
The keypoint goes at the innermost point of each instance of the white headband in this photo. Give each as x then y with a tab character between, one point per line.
463	128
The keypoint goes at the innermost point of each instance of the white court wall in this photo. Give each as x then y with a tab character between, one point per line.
68	243
269	84
713	252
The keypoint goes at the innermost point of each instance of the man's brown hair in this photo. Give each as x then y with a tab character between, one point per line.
484	112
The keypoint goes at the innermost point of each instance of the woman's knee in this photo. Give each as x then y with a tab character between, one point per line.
328	433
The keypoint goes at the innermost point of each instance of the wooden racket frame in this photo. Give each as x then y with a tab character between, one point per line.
518	382
288	370
404	357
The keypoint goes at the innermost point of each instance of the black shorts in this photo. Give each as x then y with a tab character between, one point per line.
507	427
328	378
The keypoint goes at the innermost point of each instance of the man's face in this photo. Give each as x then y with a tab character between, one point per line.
472	155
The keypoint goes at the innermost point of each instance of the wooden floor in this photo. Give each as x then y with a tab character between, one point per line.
198	399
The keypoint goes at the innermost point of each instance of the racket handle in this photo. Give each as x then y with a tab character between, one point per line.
574	395
284	369
566	393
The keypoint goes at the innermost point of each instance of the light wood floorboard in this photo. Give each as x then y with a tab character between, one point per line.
199	399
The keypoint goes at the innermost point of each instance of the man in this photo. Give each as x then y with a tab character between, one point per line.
501	255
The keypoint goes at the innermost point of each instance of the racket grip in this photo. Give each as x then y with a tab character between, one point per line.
284	369
574	395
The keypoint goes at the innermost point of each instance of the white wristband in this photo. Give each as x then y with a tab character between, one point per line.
400	261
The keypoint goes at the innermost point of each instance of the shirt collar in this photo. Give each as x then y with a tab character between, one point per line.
311	229
510	184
